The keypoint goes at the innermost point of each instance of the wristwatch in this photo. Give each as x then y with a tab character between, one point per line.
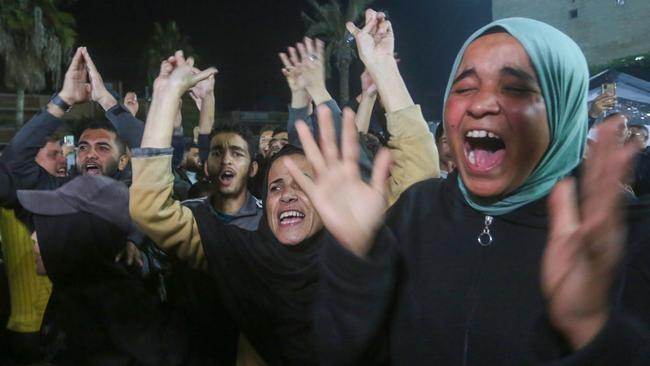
57	101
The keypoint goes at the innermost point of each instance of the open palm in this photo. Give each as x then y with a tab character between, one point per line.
586	241
351	210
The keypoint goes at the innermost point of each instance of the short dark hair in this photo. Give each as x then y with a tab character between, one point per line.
58	135
267	128
104	125
279	129
190	145
239	129
201	188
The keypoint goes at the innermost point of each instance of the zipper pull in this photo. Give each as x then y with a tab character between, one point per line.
485	238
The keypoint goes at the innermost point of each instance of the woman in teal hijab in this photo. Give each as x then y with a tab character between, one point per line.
562	80
453	275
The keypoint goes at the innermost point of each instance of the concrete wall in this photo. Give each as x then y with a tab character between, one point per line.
603	29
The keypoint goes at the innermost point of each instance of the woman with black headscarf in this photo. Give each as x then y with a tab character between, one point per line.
454	276
265	278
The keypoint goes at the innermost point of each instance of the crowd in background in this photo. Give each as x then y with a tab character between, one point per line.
517	232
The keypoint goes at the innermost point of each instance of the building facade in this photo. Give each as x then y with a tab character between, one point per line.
604	29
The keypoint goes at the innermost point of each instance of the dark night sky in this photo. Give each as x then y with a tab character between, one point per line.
242	40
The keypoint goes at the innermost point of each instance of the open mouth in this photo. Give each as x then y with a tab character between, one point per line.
484	150
61	172
291	217
92	169
226	177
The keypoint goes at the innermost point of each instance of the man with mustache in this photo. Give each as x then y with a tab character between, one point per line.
229	166
102	145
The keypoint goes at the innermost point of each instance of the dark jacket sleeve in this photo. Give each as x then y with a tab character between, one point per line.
622	341
178	144
295	115
19	155
353	302
302	114
129	128
7	189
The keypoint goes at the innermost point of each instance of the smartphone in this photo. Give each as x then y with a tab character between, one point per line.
609	89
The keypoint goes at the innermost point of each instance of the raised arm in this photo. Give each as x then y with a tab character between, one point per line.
366	101
300	100
171	226
415	156
128	127
20	154
203	96
376	45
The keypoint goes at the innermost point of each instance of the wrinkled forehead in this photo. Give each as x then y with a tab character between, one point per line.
278	169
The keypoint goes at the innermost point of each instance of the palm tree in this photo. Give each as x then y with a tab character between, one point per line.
328	23
166	40
35	38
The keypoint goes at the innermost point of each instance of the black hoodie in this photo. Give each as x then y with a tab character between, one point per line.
109	316
430	293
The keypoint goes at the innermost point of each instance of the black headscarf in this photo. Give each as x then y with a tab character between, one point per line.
268	287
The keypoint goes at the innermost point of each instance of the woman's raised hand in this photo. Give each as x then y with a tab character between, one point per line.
351	210
586	240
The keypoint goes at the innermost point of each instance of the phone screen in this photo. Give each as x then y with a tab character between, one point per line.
609	89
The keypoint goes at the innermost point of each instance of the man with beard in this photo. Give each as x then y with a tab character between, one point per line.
264	144
191	164
101	148
229	167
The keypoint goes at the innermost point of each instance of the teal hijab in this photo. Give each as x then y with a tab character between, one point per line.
564	79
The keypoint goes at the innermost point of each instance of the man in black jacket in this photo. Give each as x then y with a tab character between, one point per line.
78	230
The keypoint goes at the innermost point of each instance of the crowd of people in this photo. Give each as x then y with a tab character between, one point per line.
510	235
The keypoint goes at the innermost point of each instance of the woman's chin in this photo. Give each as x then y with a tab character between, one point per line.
485	186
